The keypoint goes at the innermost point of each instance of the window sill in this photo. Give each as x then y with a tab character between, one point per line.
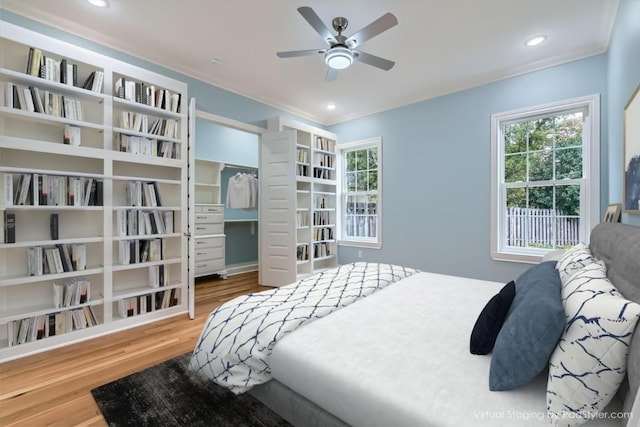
516	257
357	244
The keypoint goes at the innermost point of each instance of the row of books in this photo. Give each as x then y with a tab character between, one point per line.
142	304
322	173
140	250
302	253
322	218
325	160
73	292
60	71
141	193
139	223
302	156
143	93
325	233
320	202
302	219
49	325
46	102
51	190
325	144
321	249
302	170
147	147
158	276
56	259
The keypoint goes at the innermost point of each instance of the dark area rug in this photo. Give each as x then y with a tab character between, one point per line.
169	394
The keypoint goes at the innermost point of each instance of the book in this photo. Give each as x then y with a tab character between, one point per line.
9	227
53	226
8	189
72	135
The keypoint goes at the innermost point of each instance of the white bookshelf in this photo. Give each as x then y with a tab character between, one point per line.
297	202
113	152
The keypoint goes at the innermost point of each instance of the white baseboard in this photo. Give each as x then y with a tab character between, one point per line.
244	267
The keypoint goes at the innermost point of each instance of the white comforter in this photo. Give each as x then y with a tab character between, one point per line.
401	358
237	339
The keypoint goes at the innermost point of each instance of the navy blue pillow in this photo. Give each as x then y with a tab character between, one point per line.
531	331
490	321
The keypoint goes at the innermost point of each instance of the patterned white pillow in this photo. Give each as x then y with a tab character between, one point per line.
590	360
573	260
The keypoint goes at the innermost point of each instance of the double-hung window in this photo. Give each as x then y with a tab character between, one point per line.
360	164
545	178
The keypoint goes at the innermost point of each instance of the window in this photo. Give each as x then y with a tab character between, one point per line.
360	164
545	178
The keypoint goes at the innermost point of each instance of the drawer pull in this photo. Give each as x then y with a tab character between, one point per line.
201	265
201	253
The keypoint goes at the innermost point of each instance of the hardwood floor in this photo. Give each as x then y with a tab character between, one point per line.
54	388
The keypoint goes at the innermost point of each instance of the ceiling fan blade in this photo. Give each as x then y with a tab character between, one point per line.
332	74
314	20
376	61
378	26
295	53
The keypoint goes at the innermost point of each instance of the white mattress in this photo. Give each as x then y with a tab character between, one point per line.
400	357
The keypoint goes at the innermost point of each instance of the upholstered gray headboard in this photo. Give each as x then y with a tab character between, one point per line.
618	245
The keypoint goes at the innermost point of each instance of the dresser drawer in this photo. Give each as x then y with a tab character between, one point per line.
209	242
203	229
210	209
209	218
209	253
209	266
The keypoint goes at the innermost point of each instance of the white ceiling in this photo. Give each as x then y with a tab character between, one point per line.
439	46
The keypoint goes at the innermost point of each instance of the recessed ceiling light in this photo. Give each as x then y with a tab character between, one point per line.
535	41
99	3
331	106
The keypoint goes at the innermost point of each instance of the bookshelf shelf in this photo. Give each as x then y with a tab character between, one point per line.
52	128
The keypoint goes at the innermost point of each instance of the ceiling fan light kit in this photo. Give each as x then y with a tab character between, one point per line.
338	57
341	52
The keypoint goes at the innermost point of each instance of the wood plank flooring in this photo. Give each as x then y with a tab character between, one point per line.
54	388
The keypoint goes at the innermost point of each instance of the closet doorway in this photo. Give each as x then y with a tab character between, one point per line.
223	200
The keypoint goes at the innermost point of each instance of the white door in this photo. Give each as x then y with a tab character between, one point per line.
277	208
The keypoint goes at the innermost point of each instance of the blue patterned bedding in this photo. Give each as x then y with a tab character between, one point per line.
237	339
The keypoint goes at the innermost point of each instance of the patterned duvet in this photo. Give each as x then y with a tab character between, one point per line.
236	341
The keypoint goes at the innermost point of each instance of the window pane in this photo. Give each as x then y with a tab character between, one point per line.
373	180
351	181
541	134
361	160
517	197
362	181
569	163
361	219
568	199
541	198
515	168
515	138
373	158
569	130
541	165
351	161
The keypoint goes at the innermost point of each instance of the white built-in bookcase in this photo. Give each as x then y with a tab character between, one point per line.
31	143
297	202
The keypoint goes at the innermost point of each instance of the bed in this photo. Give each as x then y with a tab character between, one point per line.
370	363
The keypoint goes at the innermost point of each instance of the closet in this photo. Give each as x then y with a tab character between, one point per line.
226	152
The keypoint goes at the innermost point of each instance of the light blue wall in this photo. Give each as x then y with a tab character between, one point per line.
624	77
224	144
436	169
436	153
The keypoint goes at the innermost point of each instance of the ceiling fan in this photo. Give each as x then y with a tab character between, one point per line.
341	52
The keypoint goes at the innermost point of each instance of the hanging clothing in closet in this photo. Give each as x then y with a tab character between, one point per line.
242	191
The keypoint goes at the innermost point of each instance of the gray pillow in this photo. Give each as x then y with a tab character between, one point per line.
531	331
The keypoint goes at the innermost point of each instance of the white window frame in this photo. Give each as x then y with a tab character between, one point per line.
590	200
341	148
